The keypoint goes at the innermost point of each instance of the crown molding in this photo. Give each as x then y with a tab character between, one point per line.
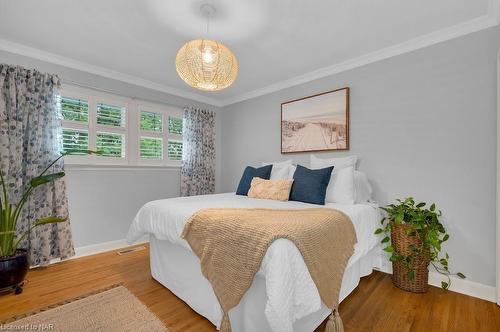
487	21
31	52
491	19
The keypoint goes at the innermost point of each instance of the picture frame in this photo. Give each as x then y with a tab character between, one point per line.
316	123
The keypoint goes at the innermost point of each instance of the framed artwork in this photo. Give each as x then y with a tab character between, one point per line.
316	123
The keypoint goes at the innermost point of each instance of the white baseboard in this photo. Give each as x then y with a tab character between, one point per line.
105	246
465	286
98	248
458	285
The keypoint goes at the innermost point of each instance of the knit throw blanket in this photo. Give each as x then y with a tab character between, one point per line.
231	244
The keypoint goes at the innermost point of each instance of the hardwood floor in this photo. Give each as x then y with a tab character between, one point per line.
375	305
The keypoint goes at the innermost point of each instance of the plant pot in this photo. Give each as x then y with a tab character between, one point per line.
13	269
402	244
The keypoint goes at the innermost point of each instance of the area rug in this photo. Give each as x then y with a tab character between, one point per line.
111	309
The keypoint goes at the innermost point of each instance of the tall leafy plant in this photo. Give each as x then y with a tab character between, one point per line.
423	222
10	212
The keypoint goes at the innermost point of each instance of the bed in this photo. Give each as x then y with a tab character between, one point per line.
283	297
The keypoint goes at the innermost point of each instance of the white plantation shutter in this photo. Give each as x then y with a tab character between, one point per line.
111	130
151	121
151	148
75	140
75	116
74	109
123	130
174	150
160	135
151	139
175	125
110	115
110	144
175	135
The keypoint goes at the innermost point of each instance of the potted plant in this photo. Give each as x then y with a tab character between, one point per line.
14	260
413	238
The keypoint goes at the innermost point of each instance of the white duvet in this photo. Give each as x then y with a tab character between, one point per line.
291	292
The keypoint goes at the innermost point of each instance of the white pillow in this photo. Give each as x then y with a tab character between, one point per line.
341	186
362	187
293	168
280	170
337	163
280	173
277	163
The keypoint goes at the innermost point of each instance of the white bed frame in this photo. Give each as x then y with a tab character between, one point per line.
179	270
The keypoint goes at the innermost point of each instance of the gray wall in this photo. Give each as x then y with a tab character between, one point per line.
423	124
103	201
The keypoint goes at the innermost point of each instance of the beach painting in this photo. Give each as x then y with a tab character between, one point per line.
316	123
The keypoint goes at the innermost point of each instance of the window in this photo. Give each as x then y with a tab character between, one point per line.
175	125
175	150
175	143
151	140
111	130
75	115
122	130
156	145
110	115
151	121
110	145
76	141
74	109
151	148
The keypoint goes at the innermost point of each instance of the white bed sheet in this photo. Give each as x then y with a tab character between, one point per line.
290	291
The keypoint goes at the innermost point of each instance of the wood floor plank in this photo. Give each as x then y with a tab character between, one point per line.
375	305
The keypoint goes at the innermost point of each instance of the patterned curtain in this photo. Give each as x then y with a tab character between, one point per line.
30	138
198	153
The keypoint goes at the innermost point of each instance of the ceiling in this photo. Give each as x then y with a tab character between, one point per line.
278	43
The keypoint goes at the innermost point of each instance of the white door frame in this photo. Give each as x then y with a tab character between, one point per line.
498	184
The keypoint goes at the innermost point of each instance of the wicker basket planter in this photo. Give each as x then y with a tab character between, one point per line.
402	243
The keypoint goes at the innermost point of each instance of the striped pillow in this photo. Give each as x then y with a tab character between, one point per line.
278	190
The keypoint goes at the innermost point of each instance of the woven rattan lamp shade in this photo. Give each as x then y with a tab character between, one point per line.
206	65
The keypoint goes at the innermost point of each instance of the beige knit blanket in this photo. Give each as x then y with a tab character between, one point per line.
231	244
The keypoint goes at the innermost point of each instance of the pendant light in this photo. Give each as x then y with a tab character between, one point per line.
206	64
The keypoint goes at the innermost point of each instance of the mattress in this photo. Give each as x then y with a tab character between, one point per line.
289	291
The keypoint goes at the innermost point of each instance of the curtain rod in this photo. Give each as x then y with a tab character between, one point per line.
87	86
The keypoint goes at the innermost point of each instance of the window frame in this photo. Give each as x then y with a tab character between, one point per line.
165	135
131	131
99	128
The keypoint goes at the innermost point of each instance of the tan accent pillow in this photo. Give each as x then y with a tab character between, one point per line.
278	190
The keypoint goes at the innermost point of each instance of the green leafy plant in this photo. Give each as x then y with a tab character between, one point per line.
423	222
10	212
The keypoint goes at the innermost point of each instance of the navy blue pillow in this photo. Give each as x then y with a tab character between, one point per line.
250	173
309	185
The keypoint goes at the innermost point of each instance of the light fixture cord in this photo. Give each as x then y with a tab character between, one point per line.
208	23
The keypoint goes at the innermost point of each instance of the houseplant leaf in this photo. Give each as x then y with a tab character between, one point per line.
39	180
39	222
49	220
